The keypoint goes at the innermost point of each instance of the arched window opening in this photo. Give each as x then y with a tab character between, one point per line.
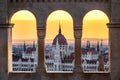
59	43
24	43
95	45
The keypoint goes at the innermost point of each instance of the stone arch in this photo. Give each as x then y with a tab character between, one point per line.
28	42
65	39
25	12
96	42
62	9
39	16
12	12
102	10
78	17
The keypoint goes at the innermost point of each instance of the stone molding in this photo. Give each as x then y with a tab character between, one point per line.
113	25
41	32
8	25
77	32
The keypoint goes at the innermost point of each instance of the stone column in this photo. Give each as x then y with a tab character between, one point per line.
41	41
5	49
77	35
114	36
3	11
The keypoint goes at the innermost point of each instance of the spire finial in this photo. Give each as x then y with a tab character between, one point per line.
59	28
98	46
101	43
24	46
33	44
88	44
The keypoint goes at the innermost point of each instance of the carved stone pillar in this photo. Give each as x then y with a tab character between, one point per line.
77	35
41	41
5	49
114	38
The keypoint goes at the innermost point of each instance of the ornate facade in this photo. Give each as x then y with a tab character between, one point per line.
95	58
24	58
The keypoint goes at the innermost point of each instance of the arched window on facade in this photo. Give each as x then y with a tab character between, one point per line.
95	44
24	42
59	43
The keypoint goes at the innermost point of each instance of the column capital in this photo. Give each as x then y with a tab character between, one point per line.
41	32
113	25
7	25
77	31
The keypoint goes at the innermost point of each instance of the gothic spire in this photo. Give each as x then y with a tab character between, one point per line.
101	44
98	46
88	45
24	46
33	44
59	28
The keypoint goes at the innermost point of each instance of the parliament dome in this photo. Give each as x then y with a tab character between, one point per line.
61	39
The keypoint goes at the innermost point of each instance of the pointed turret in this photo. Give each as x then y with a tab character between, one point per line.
98	47
33	44
34	49
24	47
88	45
101	43
59	28
101	47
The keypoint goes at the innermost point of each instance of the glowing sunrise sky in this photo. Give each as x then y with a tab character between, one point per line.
25	26
94	25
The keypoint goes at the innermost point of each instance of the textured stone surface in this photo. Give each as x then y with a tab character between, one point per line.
5	33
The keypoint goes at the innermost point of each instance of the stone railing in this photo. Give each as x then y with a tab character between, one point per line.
31	1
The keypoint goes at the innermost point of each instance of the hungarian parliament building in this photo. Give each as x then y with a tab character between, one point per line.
24	57
95	58
60	56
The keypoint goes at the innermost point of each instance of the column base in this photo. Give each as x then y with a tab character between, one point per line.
78	69
41	70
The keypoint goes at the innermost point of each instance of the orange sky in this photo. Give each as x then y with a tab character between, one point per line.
95	29
94	25
25	26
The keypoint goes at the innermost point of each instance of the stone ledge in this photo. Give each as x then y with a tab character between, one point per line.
7	25
22	1
113	25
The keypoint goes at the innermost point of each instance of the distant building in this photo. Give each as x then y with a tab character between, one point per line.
60	56
26	61
94	58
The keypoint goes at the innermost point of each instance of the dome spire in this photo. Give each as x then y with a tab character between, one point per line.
59	28
24	47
